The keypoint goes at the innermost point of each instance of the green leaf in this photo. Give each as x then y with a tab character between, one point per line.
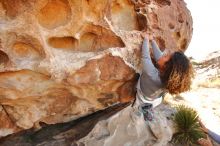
187	126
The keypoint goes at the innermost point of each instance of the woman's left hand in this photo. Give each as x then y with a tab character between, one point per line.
147	35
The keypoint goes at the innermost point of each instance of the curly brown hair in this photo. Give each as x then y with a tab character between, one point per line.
178	73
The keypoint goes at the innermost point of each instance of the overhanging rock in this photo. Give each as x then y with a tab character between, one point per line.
63	59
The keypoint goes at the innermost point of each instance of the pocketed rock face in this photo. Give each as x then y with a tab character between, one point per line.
63	59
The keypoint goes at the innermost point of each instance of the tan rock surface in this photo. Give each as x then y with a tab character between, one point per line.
7	126
128	127
62	59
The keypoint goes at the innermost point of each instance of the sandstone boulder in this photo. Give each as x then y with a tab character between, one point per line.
63	59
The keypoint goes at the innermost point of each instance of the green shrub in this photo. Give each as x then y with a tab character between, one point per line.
187	126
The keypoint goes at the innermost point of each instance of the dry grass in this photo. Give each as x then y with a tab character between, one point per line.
211	83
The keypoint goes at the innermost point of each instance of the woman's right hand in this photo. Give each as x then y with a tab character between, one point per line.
146	35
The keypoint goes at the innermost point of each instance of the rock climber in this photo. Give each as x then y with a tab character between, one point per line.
172	74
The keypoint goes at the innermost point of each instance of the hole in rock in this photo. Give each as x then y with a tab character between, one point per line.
8	6
154	18
163	2
27	46
3	58
171	25
97	38
144	11
180	18
142	21
183	44
146	1
12	7
25	50
123	15
93	38
89	42
177	35
63	42
95	41
110	41
161	43
55	13
155	26
137	10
